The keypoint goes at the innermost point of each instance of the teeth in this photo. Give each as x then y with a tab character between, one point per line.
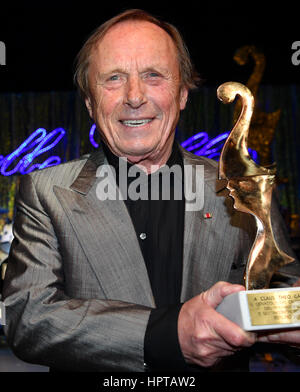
136	123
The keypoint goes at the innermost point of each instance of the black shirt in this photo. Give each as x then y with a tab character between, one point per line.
159	225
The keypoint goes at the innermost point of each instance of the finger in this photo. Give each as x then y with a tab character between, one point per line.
233	334
214	326
291	337
215	295
218	339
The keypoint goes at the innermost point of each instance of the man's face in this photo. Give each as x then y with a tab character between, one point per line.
135	90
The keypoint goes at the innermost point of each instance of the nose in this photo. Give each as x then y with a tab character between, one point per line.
135	94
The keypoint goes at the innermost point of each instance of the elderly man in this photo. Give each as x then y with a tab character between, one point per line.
127	285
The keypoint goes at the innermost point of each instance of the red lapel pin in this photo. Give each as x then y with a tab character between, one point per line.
207	215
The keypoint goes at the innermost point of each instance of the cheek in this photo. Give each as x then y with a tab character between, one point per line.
106	104
167	101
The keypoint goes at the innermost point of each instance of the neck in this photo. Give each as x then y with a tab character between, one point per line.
150	164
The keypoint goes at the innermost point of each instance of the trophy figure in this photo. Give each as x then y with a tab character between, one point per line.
251	187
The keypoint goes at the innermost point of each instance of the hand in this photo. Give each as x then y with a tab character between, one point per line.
206	336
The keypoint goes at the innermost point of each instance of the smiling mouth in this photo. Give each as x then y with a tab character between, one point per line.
136	123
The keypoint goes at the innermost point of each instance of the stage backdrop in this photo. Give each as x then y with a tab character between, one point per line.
21	114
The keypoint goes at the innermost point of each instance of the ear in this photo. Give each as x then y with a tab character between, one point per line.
183	97
88	105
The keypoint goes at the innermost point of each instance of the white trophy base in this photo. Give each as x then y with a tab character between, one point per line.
263	309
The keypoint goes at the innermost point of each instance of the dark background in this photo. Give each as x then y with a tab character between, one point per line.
42	39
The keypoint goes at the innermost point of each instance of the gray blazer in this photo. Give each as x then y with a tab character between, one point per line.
76	290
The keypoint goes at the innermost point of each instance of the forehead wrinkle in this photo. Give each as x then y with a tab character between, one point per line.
131	35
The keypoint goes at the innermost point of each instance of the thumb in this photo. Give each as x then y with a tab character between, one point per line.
215	295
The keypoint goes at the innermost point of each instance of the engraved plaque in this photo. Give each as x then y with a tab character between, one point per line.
263	309
274	307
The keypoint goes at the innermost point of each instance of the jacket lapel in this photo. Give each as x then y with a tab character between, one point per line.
107	236
203	264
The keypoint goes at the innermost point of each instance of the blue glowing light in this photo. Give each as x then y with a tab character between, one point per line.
91	135
40	142
201	144
253	155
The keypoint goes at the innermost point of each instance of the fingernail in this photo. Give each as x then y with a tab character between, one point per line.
273	337
262	339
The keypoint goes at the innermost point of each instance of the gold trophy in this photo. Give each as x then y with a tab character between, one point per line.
251	187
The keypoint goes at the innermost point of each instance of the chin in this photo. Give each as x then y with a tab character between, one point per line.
138	151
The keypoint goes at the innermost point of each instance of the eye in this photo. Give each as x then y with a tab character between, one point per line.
113	78
153	77
153	74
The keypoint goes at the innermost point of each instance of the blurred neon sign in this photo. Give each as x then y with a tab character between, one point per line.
201	144
21	161
38	142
